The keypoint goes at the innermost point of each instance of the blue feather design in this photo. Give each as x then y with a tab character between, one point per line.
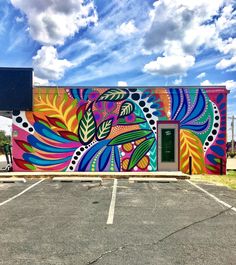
219	98
104	158
151	99
117	157
211	158
175	99
198	107
86	93
196	127
90	154
48	148
145	94
222	106
48	133
43	162
183	110
180	106
155	106
75	93
217	149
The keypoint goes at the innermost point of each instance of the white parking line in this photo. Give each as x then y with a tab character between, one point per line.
19	194
112	204
212	196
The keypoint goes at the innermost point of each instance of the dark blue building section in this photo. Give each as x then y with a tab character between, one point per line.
16	89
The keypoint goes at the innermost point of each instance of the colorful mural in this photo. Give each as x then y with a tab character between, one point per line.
115	129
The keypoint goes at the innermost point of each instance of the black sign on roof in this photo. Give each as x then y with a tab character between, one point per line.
16	89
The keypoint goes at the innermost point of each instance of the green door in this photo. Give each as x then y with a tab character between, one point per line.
168	146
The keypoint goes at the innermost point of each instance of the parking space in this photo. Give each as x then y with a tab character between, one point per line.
152	223
8	190
223	193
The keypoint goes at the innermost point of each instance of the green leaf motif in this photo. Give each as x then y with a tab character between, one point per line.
126	108
31	167
211	168
29	148
129	137
139	152
138	120
104	129
217	160
87	127
61	125
114	95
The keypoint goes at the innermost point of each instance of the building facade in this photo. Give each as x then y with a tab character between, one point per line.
122	129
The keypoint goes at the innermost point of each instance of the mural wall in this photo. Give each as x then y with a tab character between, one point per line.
114	129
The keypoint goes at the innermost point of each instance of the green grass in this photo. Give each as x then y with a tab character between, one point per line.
228	180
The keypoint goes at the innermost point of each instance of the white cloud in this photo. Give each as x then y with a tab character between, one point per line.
47	65
228	46
184	28
51	22
126	28
178	81
230	84
225	43
170	65
122	83
227	18
201	75
39	81
226	63
206	83
233	69
19	19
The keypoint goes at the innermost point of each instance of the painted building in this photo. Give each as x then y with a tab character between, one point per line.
122	129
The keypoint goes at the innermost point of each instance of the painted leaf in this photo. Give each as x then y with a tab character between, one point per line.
69	135
140	151
24	164
25	146
114	95
190	145
129	137
57	122
126	108
37	119
87	127
80	112
213	169
104	129
57	104
137	120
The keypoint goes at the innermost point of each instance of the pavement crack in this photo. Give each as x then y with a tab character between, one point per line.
106	253
156	242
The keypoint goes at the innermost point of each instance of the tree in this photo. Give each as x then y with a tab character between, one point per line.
4	139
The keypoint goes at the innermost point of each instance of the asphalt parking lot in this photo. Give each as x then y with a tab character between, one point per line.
136	223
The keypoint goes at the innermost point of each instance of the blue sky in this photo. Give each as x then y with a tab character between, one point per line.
134	42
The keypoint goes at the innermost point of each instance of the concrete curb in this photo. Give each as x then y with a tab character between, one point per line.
106	175
10	180
160	180
77	179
